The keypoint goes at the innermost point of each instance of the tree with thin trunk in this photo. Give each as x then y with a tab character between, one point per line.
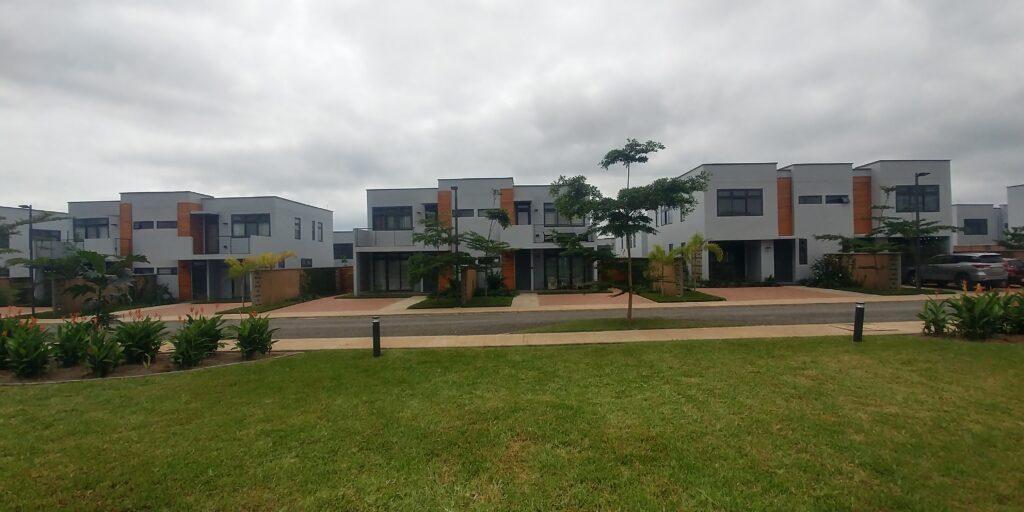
243	269
634	152
626	214
696	247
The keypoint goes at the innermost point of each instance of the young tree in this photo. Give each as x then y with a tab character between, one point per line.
626	214
694	247
106	281
659	258
634	152
243	269
426	265
1013	238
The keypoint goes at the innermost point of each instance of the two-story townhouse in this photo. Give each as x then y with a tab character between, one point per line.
979	224
186	236
766	219
46	237
535	262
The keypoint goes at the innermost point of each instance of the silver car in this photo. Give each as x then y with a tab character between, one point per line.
965	268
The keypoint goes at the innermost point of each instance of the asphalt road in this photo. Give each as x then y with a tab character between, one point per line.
499	323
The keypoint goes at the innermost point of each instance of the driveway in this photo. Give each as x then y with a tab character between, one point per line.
768	293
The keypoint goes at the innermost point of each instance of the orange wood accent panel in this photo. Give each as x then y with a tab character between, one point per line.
861	205
444	207
184	281
785	197
508	198
125	214
508	269
185	217
198	242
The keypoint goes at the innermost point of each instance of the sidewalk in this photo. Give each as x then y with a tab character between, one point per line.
585	338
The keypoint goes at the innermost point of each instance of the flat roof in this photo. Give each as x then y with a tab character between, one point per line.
905	160
34	210
731	163
96	201
816	163
274	197
402	188
169	192
1015	186
993	205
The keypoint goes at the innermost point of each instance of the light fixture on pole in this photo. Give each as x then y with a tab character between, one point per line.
32	263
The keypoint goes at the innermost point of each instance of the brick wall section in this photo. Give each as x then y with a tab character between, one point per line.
785	190
184	280
444	207
508	269
273	286
125	214
508	201
185	227
861	205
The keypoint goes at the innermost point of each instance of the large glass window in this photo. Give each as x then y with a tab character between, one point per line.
523	213
46	235
665	216
565	271
928	198
86	229
244	225
392	218
553	218
390	272
343	251
975	226
740	202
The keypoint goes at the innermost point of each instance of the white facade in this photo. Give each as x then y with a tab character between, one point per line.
1015	206
46	240
344	248
980	224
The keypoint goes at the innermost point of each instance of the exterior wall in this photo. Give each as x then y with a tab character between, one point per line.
742	176
820	219
19	241
273	286
1015	206
992	216
343	237
887	173
97	209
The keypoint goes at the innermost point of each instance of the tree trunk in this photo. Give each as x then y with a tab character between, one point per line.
629	280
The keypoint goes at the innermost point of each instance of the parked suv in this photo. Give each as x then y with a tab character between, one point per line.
970	268
1014	271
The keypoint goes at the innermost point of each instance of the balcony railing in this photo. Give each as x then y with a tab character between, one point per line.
371	238
233	245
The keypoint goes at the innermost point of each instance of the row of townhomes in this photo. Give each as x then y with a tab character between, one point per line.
765	217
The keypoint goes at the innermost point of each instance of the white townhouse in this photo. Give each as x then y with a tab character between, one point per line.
47	238
382	250
765	218
979	224
1015	206
186	236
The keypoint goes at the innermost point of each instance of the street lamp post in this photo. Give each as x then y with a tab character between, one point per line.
455	223
918	199
32	263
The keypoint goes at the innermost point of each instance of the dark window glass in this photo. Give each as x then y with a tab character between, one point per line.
298	228
523	213
928	198
5	272
86	229
245	225
392	218
319	231
306	262
5	241
142	224
167	224
312	230
462	213
809	199
553	218
46	235
167	271
837	199
665	216
430	210
975	226
803	251
740	202
143	270
989	258
343	251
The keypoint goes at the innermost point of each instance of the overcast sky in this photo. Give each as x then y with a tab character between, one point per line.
317	101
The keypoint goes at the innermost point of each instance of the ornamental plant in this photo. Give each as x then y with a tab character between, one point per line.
103	354
8	325
977	317
141	337
28	350
190	347
208	328
72	340
253	335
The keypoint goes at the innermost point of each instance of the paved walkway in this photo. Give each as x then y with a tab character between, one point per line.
584	338
173	311
329	305
777	293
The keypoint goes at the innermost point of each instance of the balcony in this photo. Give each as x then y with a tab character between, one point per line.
233	245
371	238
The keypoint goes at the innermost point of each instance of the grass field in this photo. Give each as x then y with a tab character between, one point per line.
621	324
478	301
890	424
687	296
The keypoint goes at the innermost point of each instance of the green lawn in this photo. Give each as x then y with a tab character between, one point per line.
895	423
370	295
687	296
899	291
621	324
478	301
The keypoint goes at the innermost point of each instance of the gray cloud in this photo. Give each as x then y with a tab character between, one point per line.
319	100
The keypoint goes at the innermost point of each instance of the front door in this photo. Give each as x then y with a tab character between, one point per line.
523	273
784	261
199	288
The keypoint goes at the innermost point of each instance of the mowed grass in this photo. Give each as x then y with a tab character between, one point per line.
895	423
687	296
478	301
621	324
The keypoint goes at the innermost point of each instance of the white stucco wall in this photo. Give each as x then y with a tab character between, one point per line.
1015	206
18	241
993	219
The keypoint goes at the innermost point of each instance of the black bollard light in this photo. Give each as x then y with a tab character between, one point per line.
376	336
858	322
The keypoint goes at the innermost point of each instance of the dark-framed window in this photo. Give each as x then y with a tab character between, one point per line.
837	199
430	211
167	224
802	250
975	226
143	270
565	271
312	230
343	251
306	262
142	224
809	199
462	213
665	216
553	218
740	202
5	241
298	228
90	228
928	198
392	218
523	213
482	212
389	271
167	271
5	272
46	235
244	225
319	231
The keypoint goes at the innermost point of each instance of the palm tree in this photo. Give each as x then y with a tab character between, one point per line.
658	258
238	269
695	247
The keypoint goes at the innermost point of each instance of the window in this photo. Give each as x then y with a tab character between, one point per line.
462	212
250	224
482	212
5	272
670	246
143	270
392	218
167	224
803	251
312	230
809	199
553	218
167	271
928	200
430	211
837	199
740	202
142	224
46	235
665	216
523	213
298	228
319	231
5	241
306	262
86	229
975	226
343	251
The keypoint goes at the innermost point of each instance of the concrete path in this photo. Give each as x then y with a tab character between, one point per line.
583	338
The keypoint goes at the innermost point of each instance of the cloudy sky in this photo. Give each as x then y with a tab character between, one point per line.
317	101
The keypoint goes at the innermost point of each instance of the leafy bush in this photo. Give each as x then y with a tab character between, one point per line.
8	296
254	334
1013	314
977	317
72	340
141	338
28	351
103	354
8	325
190	347
208	328
935	316
829	272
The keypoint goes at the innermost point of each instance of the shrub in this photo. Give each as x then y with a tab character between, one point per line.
209	328
8	326
1013	314
28	351
190	347
935	316
8	296
72	340
141	338
253	335
977	317
829	272
103	354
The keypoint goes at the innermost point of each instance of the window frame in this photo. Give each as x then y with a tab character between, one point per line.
837	199
306	262
252	224
730	197
802	251
90	228
298	228
143	224
929	193
319	231
340	247
521	207
167	271
166	224
559	222
970	232
810	199
391	218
